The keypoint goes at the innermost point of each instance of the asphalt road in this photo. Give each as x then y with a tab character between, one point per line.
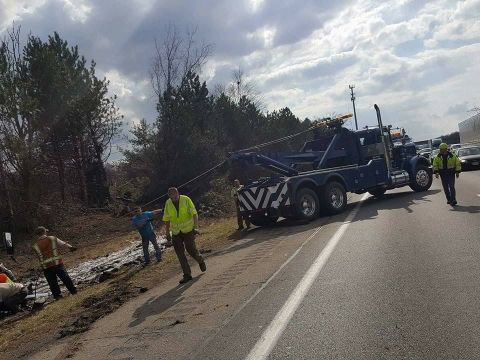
401	283
391	278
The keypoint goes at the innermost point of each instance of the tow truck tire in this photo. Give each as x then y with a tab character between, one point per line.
422	179
334	198
263	220
377	192
307	205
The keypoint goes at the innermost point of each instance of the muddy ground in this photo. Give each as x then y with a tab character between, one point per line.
106	282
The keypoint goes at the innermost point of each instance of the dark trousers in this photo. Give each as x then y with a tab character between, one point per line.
448	183
182	242
51	274
146	254
241	218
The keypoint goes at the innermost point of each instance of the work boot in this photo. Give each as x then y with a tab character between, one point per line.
203	266
185	279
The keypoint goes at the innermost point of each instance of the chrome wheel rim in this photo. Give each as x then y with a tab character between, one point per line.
336	198
308	205
422	178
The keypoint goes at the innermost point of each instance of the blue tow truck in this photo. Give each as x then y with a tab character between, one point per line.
317	178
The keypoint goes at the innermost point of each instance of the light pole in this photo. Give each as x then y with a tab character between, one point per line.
353	101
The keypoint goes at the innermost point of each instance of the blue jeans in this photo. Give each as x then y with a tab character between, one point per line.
145	242
448	183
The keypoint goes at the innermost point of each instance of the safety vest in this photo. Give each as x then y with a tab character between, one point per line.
453	163
181	221
4	279
47	252
234	192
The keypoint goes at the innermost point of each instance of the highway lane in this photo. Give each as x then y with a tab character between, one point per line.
402	282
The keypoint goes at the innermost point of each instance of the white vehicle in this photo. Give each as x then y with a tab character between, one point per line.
454	147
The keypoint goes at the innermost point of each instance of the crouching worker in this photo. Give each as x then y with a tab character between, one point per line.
143	223
180	217
12	294
46	248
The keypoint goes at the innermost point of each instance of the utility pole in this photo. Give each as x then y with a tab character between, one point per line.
353	101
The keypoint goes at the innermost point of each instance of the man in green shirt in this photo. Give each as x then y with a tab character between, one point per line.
181	218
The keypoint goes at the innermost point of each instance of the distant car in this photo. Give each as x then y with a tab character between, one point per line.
434	153
454	147
469	157
422	147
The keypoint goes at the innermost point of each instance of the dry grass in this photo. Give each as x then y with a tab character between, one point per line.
33	332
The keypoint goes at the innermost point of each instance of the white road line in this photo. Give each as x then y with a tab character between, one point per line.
270	336
258	291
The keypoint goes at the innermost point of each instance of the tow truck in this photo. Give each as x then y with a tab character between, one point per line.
317	178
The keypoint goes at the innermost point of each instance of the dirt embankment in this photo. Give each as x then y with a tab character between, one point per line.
75	314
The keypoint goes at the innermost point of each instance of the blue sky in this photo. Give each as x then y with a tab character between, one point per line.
419	60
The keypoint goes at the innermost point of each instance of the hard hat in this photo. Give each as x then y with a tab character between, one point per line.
443	146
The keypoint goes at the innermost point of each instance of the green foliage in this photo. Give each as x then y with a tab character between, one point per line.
56	124
195	130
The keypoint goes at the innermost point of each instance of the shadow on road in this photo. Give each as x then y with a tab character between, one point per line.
370	208
468	209
158	305
281	229
392	201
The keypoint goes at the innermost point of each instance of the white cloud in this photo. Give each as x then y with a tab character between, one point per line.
77	10
14	10
417	59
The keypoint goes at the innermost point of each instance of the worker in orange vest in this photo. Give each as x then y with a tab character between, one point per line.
46	248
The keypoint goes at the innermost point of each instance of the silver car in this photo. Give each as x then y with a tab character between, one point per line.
469	157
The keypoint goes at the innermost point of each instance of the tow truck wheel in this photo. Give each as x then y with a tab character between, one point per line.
263	220
422	179
307	205
334	198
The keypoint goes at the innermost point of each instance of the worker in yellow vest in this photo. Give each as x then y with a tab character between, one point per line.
181	218
448	166
46	248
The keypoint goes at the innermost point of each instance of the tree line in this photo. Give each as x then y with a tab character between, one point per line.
57	122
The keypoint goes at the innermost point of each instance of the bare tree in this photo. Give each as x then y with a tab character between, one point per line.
18	128
176	56
240	87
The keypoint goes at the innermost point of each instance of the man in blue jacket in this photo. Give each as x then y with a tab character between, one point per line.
143	223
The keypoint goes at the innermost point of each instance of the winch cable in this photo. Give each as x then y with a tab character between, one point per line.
319	124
